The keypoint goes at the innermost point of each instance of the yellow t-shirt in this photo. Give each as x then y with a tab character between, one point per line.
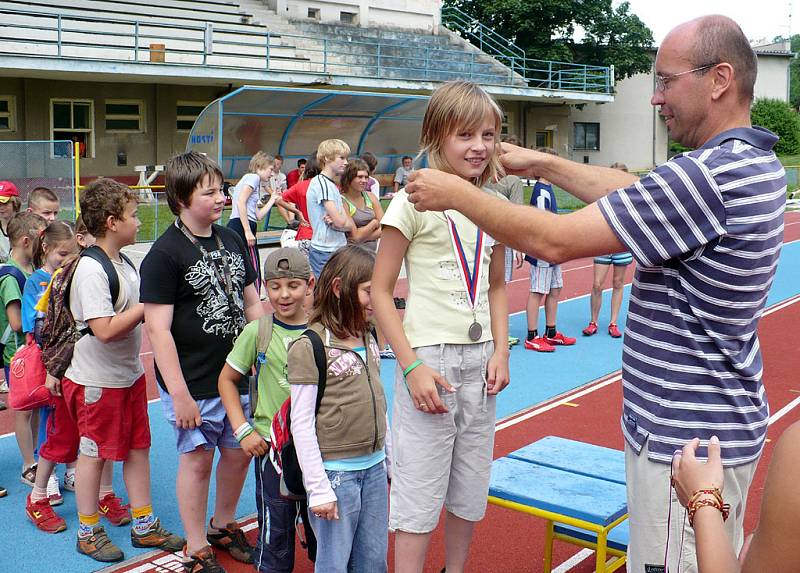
437	307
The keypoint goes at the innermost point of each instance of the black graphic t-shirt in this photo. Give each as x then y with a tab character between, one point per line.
204	325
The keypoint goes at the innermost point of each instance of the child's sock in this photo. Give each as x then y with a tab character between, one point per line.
533	334
86	524
551	331
105	489
38	493
143	519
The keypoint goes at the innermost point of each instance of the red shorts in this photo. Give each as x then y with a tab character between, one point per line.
61	442
111	421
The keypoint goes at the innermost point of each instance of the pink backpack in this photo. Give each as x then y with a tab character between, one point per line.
26	386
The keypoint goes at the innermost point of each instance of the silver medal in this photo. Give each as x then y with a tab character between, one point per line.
475	331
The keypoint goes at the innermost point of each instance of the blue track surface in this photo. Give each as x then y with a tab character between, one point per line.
535	378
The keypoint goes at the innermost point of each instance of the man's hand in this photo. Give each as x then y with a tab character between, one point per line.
434	190
519	160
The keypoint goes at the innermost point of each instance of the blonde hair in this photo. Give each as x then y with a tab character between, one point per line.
329	149
260	161
454	107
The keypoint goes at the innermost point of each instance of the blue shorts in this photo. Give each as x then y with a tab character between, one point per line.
617	259
215	430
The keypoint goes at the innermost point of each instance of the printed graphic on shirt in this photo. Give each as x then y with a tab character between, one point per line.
213	308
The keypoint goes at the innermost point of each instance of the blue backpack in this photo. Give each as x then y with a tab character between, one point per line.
7	269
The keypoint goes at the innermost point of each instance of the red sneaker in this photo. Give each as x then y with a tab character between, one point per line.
114	510
613	331
43	516
539	344
560	340
591	329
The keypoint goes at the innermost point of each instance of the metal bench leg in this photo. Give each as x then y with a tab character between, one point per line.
602	541
548	547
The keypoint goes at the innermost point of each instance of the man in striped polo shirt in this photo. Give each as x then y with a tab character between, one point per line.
706	230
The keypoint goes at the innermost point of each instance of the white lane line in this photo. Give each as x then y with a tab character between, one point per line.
783	411
573	561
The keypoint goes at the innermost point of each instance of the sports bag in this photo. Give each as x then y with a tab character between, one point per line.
26	387
282	452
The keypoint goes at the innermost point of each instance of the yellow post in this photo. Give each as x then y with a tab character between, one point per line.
548	547
76	155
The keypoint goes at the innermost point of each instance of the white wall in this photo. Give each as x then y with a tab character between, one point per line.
773	77
409	14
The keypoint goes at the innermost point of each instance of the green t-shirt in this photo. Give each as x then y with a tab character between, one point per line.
273	388
9	292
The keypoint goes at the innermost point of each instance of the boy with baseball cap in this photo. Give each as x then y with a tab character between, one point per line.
10	204
288	279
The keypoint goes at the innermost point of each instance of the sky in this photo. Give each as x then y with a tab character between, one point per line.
760	20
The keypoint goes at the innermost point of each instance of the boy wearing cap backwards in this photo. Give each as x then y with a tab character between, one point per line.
288	280
10	205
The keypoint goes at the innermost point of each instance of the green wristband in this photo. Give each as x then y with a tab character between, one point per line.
411	367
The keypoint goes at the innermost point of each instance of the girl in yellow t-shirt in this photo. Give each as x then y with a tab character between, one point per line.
452	344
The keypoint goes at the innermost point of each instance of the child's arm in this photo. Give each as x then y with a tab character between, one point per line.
422	381
14	314
321	497
497	376
111	328
254	444
369	232
241	204
159	323
339	220
262	211
253	308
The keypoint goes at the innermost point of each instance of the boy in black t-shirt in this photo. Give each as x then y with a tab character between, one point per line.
198	289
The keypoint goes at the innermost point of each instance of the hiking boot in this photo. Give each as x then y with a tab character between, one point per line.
231	538
591	329
43	517
203	561
53	491
560	340
539	344
158	537
613	331
99	547
112	508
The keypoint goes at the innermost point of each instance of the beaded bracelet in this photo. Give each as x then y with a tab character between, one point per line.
696	503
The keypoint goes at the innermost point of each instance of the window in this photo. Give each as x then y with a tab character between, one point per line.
124	116
313	13
187	112
348	18
504	124
7	113
587	136
73	120
544	138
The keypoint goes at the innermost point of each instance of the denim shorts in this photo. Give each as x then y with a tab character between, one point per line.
214	432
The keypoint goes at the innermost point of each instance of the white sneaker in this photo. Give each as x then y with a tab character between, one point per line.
69	481
4	387
53	491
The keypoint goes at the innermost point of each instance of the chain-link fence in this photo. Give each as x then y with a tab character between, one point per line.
32	164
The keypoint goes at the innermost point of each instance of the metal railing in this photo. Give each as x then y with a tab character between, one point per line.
542	74
86	37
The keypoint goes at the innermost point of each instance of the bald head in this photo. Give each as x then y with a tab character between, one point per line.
715	39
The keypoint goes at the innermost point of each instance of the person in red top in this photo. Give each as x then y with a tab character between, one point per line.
296	175
297	194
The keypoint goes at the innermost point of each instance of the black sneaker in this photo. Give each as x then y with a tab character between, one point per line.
204	561
231	538
99	547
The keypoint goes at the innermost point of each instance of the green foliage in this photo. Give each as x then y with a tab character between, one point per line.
779	117
546	29
675	148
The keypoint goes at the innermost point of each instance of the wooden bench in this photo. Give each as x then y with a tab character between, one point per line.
578	488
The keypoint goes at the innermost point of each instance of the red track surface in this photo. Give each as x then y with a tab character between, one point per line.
510	542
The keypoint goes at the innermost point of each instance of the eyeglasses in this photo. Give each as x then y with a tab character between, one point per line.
662	82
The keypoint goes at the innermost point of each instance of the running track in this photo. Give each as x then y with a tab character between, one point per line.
587	409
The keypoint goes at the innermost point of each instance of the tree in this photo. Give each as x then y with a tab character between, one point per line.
779	117
546	30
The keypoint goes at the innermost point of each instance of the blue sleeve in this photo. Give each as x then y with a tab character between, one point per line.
30	296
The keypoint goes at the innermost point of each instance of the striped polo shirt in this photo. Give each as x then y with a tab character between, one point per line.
706	230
